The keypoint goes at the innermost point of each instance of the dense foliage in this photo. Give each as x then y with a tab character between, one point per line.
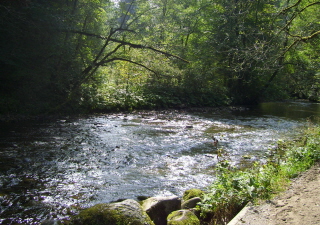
77	55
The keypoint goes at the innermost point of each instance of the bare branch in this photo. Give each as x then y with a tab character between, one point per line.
128	43
133	62
311	36
112	52
311	4
290	7
295	14
112	32
146	47
126	60
303	39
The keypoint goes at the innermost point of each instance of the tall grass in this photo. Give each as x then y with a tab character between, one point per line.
234	188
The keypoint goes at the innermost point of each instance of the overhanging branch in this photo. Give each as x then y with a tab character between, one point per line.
133	62
147	47
295	5
132	45
295	14
103	58
126	60
281	57
302	39
290	7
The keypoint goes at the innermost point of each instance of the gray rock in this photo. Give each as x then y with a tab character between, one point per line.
51	222
158	208
191	203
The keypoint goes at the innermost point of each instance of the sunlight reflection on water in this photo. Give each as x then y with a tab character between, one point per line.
80	162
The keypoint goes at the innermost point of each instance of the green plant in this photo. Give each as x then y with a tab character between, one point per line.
234	188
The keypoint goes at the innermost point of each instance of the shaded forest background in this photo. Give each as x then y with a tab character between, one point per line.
98	55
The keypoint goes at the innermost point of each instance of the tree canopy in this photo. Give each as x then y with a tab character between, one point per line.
100	55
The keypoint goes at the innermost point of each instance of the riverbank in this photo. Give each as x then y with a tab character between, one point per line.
234	188
299	204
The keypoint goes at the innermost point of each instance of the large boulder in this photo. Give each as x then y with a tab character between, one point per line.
183	217
120	213
158	208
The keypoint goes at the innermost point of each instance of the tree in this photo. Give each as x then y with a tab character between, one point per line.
299	58
234	43
134	54
41	63
122	43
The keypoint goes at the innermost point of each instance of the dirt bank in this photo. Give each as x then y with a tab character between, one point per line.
300	204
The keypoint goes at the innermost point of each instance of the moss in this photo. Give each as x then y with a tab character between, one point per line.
105	214
99	214
192	193
183	217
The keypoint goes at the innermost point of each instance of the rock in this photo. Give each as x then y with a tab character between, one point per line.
246	156
183	217
196	211
190	203
142	197
122	213
192	193
51	222
158	208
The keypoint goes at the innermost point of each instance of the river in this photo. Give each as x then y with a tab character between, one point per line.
51	169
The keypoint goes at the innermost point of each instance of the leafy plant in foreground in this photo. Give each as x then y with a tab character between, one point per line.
234	188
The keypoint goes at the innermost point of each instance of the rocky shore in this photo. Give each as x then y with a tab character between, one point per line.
171	210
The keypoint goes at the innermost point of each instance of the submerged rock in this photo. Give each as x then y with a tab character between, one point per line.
121	213
51	222
247	156
183	217
158	208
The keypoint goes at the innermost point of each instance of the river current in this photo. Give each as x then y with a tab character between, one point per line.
51	169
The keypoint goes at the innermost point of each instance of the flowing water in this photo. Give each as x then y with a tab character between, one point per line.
51	169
